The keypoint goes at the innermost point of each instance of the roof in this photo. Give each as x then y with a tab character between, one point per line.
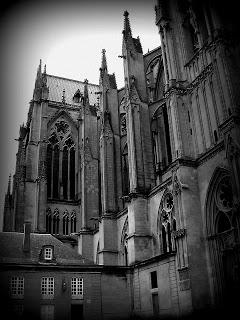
11	250
56	86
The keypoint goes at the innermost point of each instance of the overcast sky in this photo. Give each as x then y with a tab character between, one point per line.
68	36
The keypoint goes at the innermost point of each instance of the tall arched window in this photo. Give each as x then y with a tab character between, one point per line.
55	222
72	173
161	139
56	171
49	170
65	172
166	224
223	229
73	222
65	223
61	162
49	221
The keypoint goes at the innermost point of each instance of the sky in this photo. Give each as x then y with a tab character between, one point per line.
68	36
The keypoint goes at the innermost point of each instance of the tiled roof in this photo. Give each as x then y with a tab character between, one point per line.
11	249
57	85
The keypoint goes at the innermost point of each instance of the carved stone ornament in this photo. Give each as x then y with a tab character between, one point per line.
224	195
168	202
178	186
180	233
165	216
61	127
123	123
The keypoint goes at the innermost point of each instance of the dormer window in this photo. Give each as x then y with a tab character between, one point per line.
77	96
48	254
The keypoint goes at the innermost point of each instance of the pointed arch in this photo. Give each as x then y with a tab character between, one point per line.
64	114
55	229
210	216
48	220
223	238
65	223
73	222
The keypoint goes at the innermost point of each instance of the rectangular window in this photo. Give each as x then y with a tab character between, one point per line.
47	288
17	287
48	254
77	288
154	283
47	312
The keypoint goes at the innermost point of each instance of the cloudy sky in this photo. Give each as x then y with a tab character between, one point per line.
68	36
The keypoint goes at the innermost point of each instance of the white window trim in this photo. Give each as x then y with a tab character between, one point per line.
48	253
47	287
77	288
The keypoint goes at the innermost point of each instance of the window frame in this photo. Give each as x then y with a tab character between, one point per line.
48	258
77	288
47	285
19	287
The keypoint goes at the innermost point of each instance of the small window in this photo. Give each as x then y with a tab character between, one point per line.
17	287
47	312
154	283
47	288
48	253
77	288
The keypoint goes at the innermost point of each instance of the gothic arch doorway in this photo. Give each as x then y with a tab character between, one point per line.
222	225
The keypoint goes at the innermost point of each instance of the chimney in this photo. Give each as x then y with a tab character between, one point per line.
26	239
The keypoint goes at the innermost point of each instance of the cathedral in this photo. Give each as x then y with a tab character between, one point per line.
144	177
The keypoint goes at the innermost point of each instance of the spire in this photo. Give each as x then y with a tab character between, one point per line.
104	60
39	75
40	67
9	184
45	69
127	29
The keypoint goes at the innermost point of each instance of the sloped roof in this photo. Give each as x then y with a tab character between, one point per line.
56	86
11	249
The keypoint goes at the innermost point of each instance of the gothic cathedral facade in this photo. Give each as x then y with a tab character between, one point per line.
146	176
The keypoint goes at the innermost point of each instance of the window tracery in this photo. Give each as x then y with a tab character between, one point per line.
73	222
66	223
161	140
123	123
55	222
223	230
152	76
49	221
61	162
167	223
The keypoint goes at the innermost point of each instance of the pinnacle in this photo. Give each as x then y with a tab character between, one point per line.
104	60
127	29
63	97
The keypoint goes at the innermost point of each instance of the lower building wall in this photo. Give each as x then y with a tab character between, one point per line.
165	300
105	296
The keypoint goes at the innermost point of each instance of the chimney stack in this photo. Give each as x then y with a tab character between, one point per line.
26	239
